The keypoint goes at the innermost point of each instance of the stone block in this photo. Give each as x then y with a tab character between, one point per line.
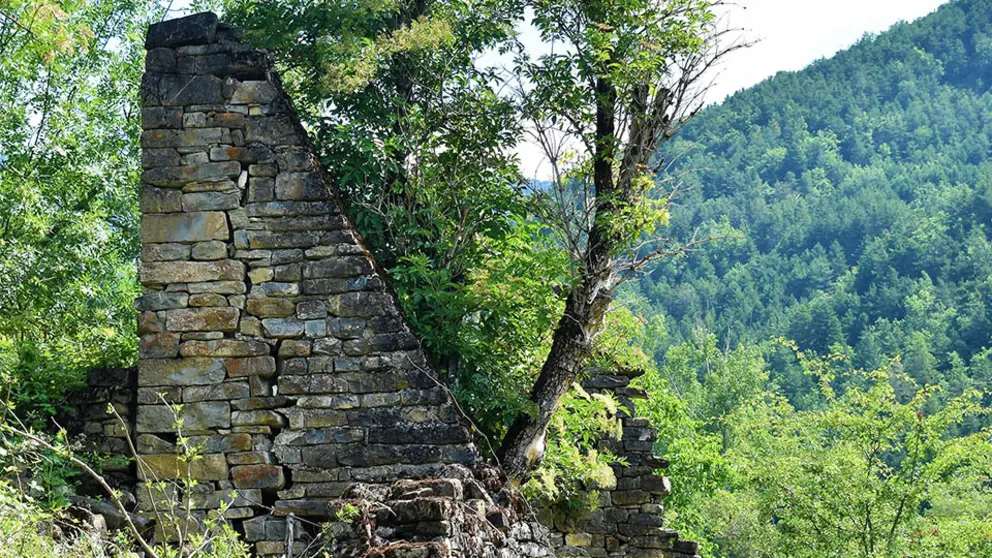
219	287
163	60
196	29
264	366
272	130
282	328
204	64
360	304
203	319
223	348
226	391
210	250
176	90
270	307
277	289
630	497
261	189
187	227
210	467
163	273
186	139
157	200
167	157
258	476
342	266
158	345
210	201
181	372
248	92
258	418
162	300
164	252
178	176
161	117
213	499
205	415
301	186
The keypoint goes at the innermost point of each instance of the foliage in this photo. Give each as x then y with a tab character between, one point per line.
29	530
574	468
39	470
69	125
867	471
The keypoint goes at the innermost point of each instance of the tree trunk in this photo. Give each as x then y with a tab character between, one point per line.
523	446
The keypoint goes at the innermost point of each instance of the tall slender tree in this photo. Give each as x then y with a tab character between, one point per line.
622	77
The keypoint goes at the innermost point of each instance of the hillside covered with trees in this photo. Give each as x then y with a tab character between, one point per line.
852	204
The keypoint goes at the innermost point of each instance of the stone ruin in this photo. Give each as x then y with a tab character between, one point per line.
266	318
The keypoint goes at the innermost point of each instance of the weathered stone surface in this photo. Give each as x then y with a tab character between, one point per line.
180	372
202	319
281	328
162	300
158	345
158	200
167	466
159	139
254	92
223	348
219	287
342	266
210	250
226	391
191	272
161	117
298	186
184	227
177	176
270	307
264	366
258	476
204	64
194	29
210	201
272	130
195	416
160	60
166	157
360	304
181	89
258	417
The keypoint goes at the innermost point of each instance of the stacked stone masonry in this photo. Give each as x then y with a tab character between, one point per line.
264	318
262	313
628	520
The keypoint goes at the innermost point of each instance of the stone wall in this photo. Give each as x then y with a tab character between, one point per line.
262	312
86	418
266	322
628	520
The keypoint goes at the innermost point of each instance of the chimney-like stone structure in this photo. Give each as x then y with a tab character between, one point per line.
263	315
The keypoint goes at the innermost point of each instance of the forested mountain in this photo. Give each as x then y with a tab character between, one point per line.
853	202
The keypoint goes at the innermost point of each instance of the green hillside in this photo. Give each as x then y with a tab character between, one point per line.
855	197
